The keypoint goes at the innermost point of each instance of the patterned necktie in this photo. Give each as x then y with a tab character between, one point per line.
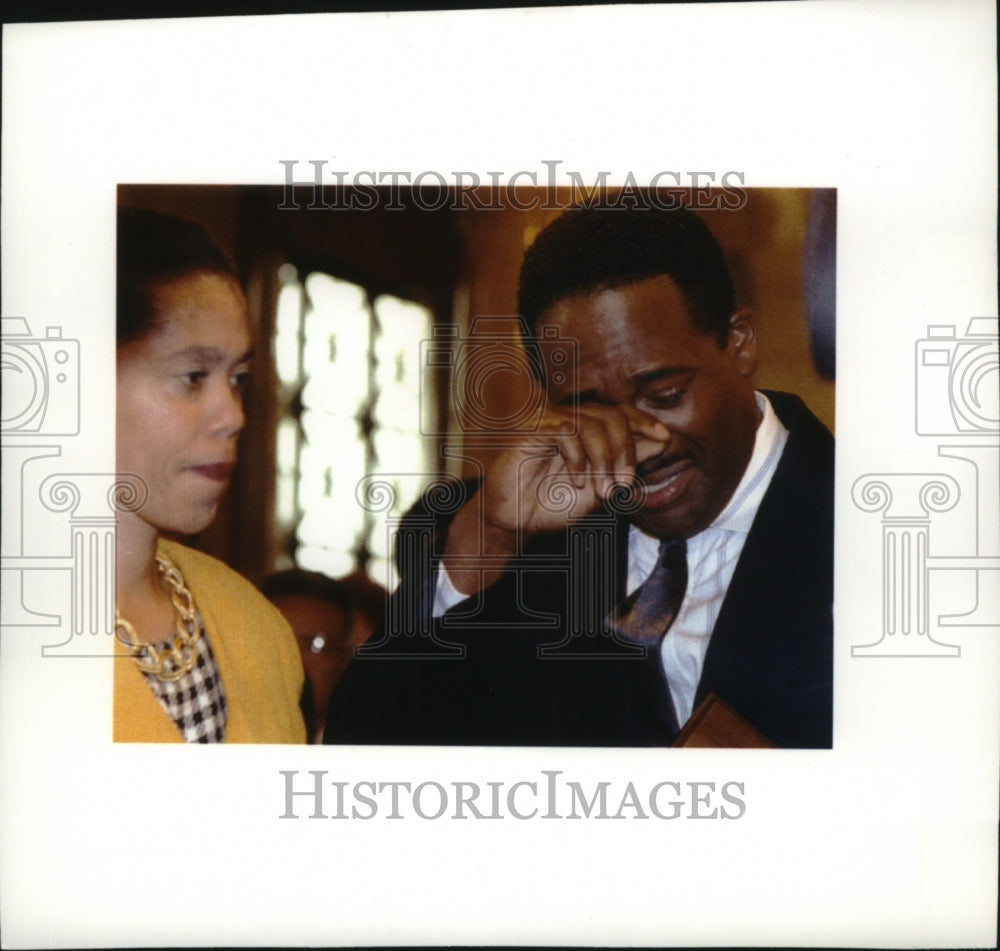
645	616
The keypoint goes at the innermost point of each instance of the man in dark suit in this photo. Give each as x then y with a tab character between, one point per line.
662	534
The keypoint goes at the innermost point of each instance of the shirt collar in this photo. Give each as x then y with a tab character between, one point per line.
769	443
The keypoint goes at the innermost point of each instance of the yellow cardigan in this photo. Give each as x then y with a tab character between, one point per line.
257	654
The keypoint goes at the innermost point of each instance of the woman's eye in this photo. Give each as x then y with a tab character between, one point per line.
194	378
240	381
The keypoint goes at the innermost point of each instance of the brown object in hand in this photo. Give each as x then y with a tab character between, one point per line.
715	724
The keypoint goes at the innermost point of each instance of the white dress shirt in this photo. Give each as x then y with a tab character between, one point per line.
711	561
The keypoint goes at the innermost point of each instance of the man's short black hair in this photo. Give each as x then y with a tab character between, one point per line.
593	249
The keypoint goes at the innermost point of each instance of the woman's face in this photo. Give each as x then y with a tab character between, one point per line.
180	408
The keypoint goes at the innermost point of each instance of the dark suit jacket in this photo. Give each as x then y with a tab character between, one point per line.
500	670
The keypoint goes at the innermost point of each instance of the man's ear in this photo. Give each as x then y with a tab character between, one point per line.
742	340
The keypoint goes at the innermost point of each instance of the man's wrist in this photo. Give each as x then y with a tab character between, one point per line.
477	551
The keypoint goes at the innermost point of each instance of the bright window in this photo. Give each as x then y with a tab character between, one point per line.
348	363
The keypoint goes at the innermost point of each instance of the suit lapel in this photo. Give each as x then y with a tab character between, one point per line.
761	630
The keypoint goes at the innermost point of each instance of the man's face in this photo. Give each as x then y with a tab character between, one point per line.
638	347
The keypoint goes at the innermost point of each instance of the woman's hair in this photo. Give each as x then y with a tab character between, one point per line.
155	249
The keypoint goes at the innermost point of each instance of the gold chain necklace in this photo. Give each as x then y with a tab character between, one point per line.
167	663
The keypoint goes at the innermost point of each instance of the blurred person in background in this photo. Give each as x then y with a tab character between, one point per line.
330	617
